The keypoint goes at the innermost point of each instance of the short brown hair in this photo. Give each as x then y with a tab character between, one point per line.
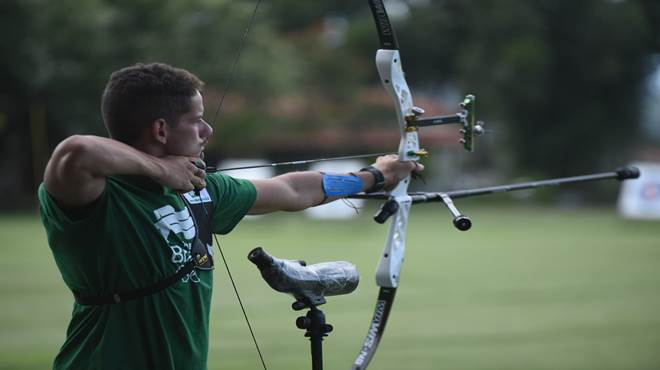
136	96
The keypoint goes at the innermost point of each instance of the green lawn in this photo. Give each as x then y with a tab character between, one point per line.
527	288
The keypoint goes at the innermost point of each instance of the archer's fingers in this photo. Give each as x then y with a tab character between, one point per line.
197	162
196	185
418	167
200	173
185	188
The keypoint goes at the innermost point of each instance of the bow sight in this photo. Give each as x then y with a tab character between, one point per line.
466	117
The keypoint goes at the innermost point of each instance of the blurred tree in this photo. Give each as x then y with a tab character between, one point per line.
57	56
559	80
563	76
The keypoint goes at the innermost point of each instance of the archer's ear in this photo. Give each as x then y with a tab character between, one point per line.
160	130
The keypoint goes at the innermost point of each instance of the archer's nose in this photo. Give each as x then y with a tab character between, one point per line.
207	130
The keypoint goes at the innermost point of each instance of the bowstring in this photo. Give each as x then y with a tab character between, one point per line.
225	90
234	65
240	302
233	283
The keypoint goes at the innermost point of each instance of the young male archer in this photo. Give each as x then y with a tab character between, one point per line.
128	216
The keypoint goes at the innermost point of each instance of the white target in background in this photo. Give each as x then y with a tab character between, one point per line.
259	173
640	198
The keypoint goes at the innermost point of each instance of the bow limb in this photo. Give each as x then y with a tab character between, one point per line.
388	63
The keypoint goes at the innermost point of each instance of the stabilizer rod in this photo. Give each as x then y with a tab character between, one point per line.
620	174
463	222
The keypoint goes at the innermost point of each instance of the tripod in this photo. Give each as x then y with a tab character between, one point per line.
315	329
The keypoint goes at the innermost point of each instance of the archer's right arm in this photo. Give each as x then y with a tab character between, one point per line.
76	173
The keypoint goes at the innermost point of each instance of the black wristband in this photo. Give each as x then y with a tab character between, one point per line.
379	179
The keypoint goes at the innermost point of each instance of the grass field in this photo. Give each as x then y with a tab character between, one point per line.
528	288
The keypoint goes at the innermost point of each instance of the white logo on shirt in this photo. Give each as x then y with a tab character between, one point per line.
181	224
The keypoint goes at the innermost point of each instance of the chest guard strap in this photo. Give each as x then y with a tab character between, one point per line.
201	208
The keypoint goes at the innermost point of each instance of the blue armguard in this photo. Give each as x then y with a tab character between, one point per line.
340	185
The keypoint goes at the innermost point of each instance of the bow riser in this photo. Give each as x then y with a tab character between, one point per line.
393	79
388	63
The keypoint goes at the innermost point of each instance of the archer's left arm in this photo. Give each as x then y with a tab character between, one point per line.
296	191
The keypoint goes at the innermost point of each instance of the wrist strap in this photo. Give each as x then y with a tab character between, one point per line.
379	179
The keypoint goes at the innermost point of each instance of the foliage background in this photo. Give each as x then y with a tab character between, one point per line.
560	83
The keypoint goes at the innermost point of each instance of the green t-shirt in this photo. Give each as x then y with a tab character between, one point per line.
136	234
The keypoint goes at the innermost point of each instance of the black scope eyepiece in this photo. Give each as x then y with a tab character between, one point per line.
260	258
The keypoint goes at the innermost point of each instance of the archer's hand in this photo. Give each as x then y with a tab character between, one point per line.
395	170
182	174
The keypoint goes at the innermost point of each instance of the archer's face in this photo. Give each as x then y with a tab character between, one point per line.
189	136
